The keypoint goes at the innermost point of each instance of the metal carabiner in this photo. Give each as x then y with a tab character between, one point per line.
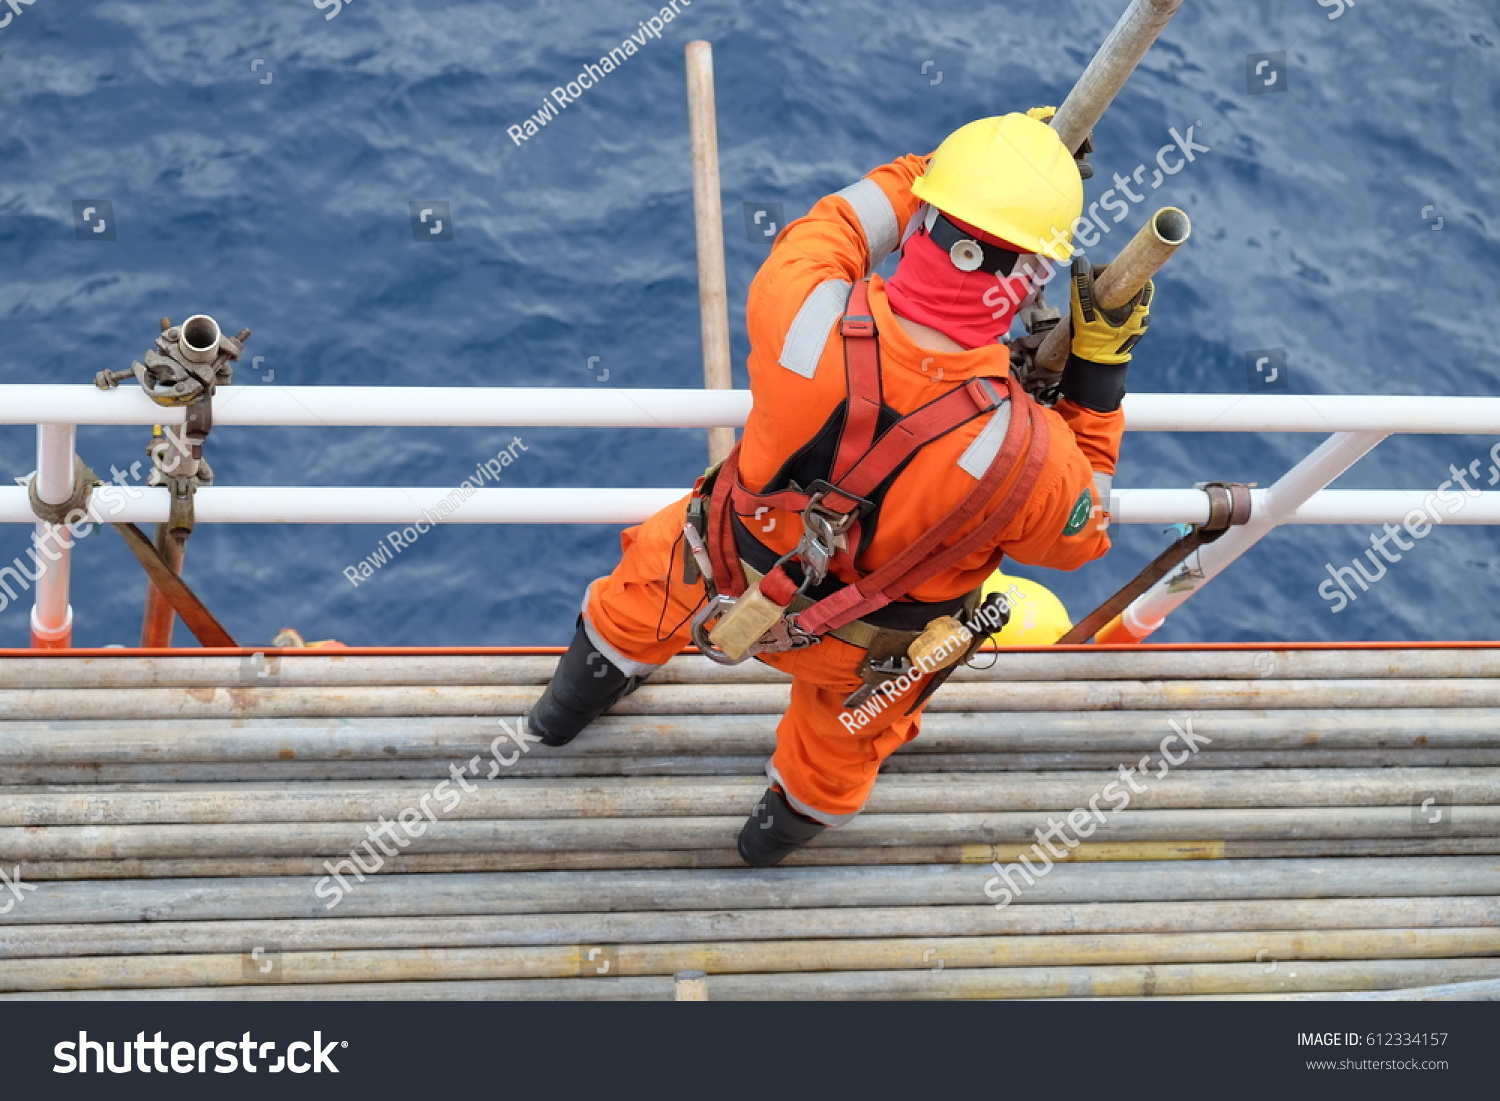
717	607
815	550
782	636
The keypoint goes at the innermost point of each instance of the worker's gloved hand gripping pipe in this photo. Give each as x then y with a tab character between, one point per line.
1102	341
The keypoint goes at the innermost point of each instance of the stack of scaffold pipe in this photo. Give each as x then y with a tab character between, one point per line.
1331	829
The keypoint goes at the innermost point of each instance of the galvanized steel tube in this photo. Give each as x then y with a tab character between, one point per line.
1110	68
739	699
313	668
438	931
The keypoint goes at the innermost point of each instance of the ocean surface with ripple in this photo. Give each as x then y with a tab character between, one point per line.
260	162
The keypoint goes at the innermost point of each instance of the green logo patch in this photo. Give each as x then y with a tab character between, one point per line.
1079	517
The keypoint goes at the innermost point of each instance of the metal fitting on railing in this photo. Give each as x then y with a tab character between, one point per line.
186	364
199	338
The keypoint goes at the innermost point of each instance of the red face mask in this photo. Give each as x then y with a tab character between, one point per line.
972	308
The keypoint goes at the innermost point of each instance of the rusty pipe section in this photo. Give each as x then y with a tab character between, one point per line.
1141	258
1111	67
708	216
159	619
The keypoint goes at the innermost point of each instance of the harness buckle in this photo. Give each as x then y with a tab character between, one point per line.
842	519
816	549
824	530
857	325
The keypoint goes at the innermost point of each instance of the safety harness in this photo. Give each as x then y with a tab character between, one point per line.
768	610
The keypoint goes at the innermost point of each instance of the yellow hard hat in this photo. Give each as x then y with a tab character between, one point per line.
1037	617
1010	176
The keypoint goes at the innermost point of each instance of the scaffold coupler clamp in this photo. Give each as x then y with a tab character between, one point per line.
184	368
186	364
1038	319
77	504
1229	505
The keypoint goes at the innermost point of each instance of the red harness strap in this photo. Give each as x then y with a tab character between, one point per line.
862	464
723	552
928	557
862	375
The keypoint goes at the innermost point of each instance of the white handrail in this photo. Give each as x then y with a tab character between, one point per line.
405	505
1296	491
604	407
1354	424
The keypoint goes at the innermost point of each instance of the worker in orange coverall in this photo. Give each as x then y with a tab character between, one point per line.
980	224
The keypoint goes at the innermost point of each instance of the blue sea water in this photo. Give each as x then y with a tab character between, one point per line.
260	161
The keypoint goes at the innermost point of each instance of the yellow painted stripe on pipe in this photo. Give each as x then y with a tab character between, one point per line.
1096	851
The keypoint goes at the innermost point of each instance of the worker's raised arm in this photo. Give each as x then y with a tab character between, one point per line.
1093	382
1067	526
841	239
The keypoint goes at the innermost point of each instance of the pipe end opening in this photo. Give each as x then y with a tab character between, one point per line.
1172	225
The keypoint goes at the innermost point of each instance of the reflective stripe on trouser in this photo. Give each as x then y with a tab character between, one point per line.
826	769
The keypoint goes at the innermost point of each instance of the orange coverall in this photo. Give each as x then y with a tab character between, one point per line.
643	610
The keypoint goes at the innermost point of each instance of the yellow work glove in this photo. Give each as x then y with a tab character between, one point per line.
1043	113
1106	336
1102	341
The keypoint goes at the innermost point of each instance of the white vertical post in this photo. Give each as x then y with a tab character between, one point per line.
1310	476
52	616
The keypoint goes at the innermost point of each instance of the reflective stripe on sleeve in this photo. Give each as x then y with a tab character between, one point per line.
977	458
876	217
916	222
1104	485
808	335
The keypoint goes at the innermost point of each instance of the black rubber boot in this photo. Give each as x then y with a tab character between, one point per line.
585	686
774	830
